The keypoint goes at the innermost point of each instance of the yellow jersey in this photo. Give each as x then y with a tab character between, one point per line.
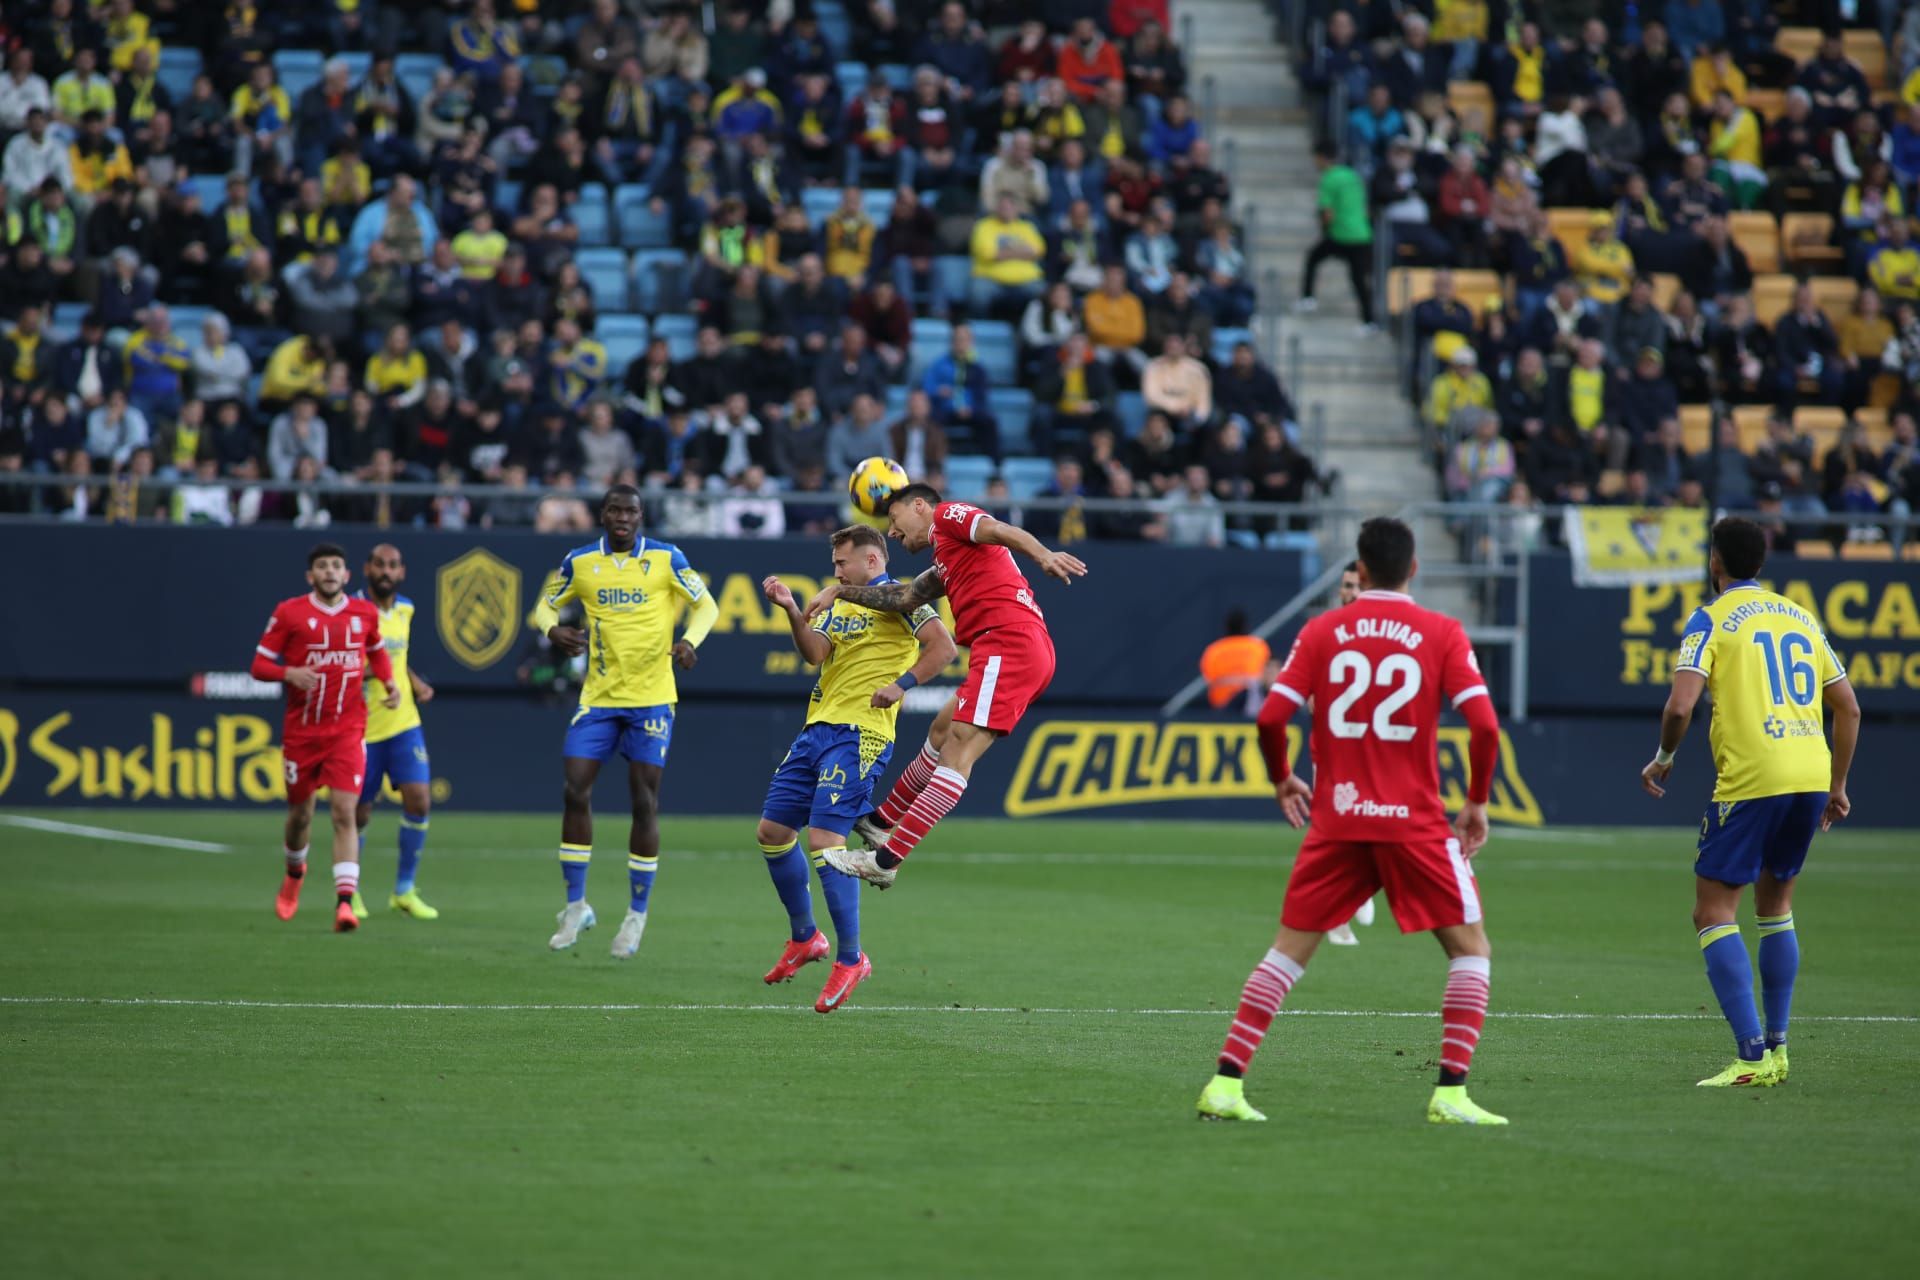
396	629
871	649
1766	662
631	600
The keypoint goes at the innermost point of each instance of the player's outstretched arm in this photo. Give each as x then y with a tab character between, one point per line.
1845	707
1055	564
1687	687
937	649
813	646
895	597
1483	757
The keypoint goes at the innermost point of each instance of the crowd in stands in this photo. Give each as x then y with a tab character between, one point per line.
548	247
1655	253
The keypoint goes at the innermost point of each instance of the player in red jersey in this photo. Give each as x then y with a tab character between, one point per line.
321	646
1378	674
995	615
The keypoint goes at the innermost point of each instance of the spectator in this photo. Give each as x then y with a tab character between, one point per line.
1614	142
1088	61
1457	395
1807	350
1742	353
1727	472
1835	83
1716	266
1635	326
1695	25
1015	174
917	441
1248	389
1177	312
321	300
1192	513
1151	256
34	156
607	450
1464	202
1642	401
1524	399
1048	321
958	385
752	507
1894	267
1734	144
1480	467
861	434
221	369
114	431
1071	399
1586	402
1346	233
736	439
1176	384
1007	252
295	434
812	307
1863	337
848	372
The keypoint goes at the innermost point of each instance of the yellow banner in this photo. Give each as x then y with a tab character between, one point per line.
1625	546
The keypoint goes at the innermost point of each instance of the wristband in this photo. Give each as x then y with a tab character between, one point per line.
907	681
1662	757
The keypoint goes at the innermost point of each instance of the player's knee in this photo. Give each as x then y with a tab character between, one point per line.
578	796
362	816
1705	917
645	805
772	833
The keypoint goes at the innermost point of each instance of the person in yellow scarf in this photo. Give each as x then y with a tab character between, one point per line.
1604	265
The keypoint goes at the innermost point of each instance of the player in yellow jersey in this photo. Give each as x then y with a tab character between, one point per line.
396	746
630	588
867	660
1769	668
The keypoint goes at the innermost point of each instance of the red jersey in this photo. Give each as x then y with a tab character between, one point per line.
987	589
1377	673
339	644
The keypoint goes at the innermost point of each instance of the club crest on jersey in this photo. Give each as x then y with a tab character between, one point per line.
477	607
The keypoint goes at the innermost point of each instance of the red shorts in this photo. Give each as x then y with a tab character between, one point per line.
339	764
1007	669
1429	884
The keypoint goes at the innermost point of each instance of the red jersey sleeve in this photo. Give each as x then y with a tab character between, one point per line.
270	655
379	661
1299	677
960	520
1293	689
1466	689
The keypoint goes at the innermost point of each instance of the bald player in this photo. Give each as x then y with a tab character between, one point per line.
396	747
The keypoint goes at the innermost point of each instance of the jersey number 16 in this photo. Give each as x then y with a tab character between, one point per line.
1791	654
1396	671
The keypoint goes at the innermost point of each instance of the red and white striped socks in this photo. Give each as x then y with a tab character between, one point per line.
1260	1001
909	785
1463	1015
297	862
346	879
935	801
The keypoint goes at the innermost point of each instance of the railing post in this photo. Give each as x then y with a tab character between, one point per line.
1249	238
1230	162
1209	94
1382	265
1517	662
1317	430
1295	376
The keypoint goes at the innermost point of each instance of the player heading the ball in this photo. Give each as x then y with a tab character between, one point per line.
1011	664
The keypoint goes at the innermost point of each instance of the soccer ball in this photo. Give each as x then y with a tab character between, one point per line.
873	482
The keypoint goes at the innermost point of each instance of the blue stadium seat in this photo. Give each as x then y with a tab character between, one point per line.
506	196
852	77
213	190
993	341
178	67
590	214
819	202
640	227
625	338
298	69
898	74
835	28
415	72
605	271
1225	340
956	275
1026	477
1130	407
660	280
878	202
967	476
931	340
896	400
679	331
1013	410
64	324
187	322
358	61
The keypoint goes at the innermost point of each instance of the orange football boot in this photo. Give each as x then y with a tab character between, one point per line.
796	955
841	982
344	921
287	901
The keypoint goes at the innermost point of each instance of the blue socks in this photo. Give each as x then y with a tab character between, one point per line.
1779	962
573	865
843	905
413	838
1731	974
788	867
640	879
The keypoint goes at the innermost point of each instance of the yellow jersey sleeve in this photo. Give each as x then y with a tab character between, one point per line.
396	633
1766	662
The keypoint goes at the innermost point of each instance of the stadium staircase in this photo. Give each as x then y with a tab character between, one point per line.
1243	83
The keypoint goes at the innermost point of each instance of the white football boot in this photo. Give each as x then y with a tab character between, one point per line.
574	919
862	863
627	941
1342	936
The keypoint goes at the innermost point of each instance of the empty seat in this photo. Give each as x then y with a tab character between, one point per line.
1013	410
592	221
679	331
1130	407
640	227
1026	477
1772	296
659	280
179	65
625	338
967	475
1465	96
1758	236
819	202
415	71
1806	241
1696	426
605	271
993	343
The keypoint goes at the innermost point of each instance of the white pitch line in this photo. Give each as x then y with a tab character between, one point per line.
405	1007
109	833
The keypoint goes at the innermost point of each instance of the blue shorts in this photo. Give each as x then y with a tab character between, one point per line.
641	734
826	781
400	759
1740	837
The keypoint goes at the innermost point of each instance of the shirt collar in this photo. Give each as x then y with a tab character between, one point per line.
1386	595
1745	584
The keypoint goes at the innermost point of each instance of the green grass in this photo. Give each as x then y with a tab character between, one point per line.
913	1134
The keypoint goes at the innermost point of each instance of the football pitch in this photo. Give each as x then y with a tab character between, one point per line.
190	1087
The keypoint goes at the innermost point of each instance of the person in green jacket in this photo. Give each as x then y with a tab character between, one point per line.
1346	232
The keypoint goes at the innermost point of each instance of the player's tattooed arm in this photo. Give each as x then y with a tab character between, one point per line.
813	646
894	597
